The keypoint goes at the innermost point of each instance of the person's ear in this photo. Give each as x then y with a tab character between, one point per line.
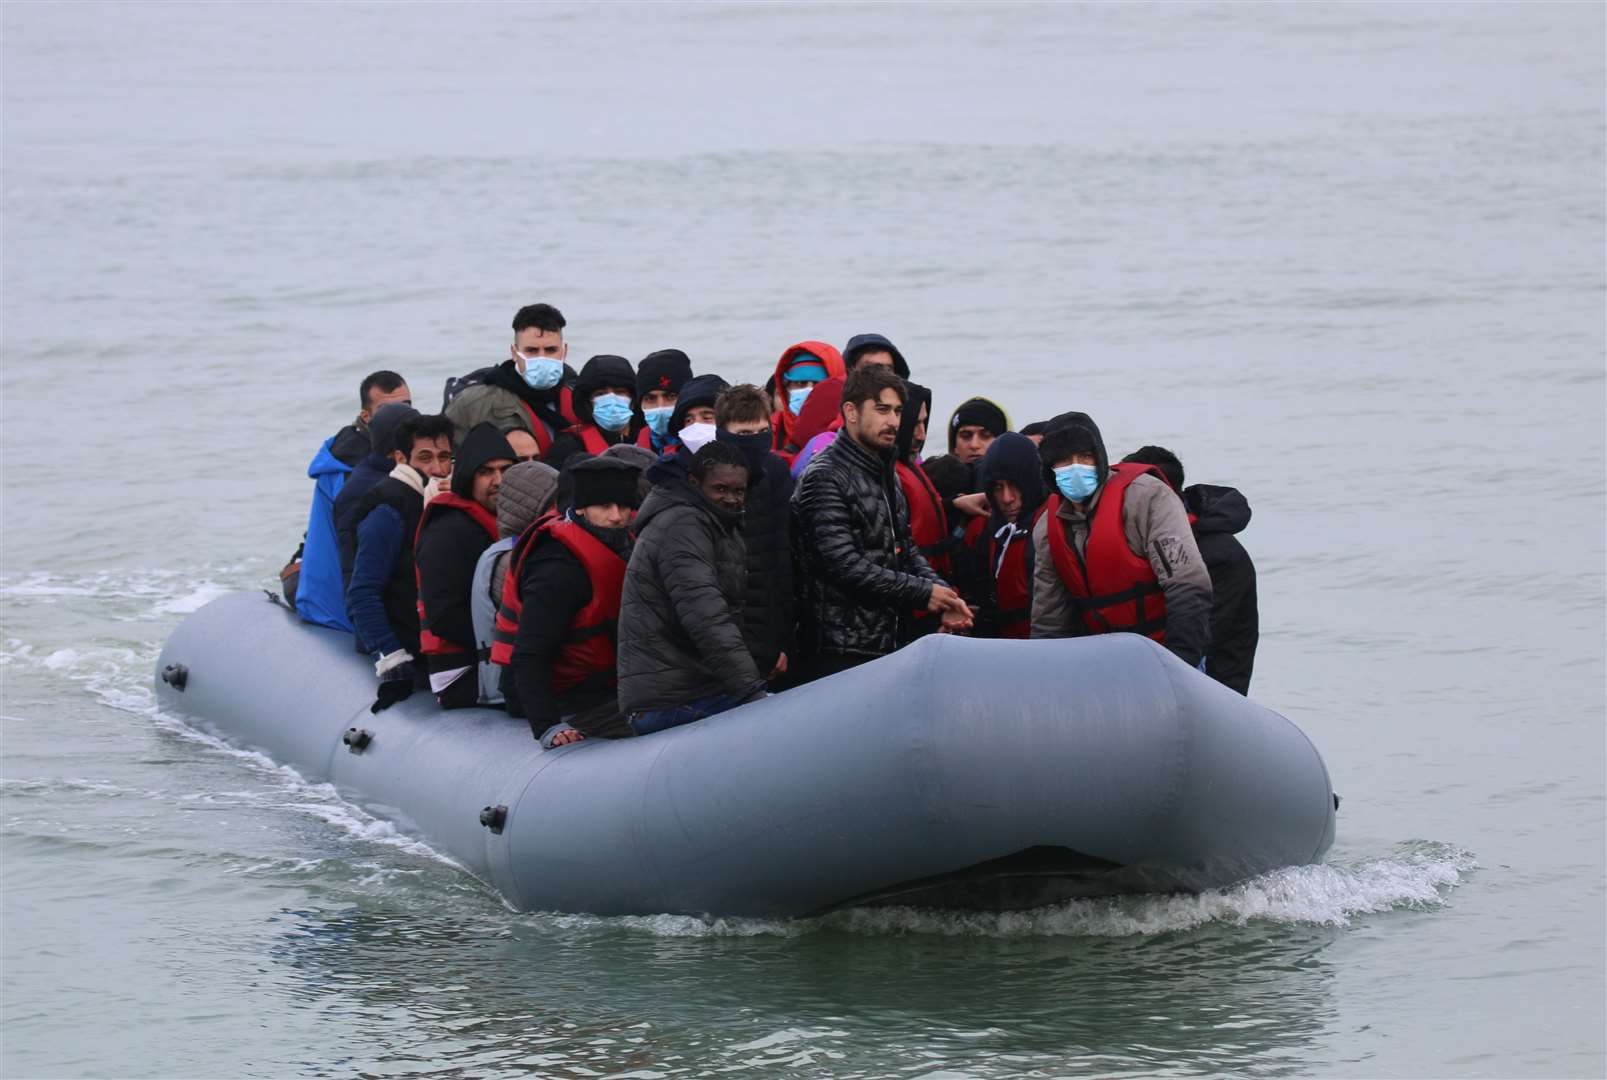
398	457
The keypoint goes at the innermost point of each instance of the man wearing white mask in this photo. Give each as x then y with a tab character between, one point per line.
692	423
531	390
605	411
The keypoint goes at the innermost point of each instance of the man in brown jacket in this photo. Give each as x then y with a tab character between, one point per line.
1113	550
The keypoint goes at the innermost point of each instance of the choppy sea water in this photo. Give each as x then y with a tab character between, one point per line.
1348	259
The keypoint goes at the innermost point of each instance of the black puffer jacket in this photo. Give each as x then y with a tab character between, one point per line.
771	613
680	616
1235	619
859	576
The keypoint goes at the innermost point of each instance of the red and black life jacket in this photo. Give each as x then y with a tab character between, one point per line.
539	428
587	655
429	643
592	439
929	525
1009	587
1112	588
929	531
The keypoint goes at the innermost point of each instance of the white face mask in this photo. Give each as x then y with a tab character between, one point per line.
696	436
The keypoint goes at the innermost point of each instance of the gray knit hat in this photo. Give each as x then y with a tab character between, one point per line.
528	489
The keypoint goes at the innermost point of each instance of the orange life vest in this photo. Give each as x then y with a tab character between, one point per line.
1112	588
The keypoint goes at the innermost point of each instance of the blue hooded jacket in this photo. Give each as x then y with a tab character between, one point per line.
320	595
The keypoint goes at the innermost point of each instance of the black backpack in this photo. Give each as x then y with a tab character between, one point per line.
456	384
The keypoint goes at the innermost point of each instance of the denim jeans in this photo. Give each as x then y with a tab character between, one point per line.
647	721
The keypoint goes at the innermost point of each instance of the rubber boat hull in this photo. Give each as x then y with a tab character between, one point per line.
954	773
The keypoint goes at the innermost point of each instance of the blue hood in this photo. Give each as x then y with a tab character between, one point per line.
325	463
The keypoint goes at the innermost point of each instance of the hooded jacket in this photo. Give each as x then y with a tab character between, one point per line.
599	372
680	617
528	490
860	344
783	422
1220	513
449	546
860	576
702	390
504	400
382	598
818	423
321	591
1157	529
373	468
991	540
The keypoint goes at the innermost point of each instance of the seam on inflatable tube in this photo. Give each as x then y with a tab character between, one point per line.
1166	808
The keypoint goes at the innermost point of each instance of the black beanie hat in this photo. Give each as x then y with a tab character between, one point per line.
667	369
386	420
978	410
601	480
483	443
702	390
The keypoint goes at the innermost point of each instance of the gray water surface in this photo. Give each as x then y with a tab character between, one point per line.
1346	258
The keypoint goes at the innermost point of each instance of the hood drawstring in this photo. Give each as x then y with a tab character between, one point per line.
1007	534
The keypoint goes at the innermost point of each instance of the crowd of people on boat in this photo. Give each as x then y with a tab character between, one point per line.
631	547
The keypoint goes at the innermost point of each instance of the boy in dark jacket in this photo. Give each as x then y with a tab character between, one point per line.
769	615
382	599
682	653
456	527
1217	513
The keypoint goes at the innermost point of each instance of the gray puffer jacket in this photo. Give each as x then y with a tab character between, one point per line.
680	617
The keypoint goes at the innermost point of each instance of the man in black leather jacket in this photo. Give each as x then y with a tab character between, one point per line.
859	574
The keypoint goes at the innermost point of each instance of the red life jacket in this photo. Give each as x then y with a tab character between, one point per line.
929	530
539	428
587	655
591	438
428	642
1011	592
929	525
1112	588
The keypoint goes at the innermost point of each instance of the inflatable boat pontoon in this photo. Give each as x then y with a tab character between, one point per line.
954	773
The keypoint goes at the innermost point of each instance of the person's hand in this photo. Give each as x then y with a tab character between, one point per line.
564	738
395	685
943	598
976	505
780	669
957	622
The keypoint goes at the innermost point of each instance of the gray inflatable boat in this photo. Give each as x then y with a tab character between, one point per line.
954	773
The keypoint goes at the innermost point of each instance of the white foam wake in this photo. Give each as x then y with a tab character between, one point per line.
1416	875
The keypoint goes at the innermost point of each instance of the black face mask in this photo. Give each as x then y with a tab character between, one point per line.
755	447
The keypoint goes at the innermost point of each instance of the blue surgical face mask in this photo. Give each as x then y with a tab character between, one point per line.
797	396
611	411
1077	482
542	372
659	419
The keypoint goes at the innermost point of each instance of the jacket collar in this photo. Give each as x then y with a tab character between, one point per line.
847	447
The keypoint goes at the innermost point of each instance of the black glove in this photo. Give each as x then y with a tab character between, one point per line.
395	685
